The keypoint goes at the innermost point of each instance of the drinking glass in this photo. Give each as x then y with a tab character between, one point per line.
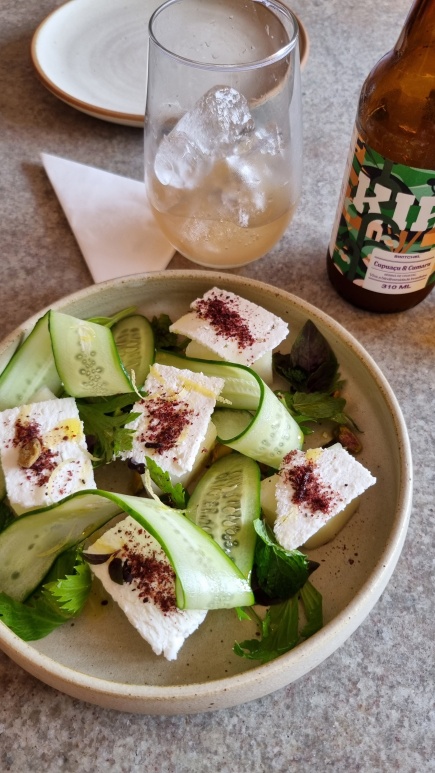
223	137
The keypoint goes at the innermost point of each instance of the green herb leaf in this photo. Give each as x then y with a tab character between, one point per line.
72	591
177	495
311	365
279	633
104	419
313	608
163	338
314	406
280	573
31	621
53	604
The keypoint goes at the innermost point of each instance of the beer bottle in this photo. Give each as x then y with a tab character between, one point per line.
381	255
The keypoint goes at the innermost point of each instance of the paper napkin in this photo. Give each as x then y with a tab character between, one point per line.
110	218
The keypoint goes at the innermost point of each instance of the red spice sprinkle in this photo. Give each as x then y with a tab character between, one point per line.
308	488
224	317
45	463
44	466
154	578
168	418
26	432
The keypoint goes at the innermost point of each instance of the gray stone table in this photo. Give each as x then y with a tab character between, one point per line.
370	706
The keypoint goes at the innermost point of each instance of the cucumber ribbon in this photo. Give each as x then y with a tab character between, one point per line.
257	425
206	578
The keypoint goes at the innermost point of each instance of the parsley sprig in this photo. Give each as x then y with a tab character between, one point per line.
61	597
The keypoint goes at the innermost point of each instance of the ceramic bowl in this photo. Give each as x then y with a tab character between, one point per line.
100	658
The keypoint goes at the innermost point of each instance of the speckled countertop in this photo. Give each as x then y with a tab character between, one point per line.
370	706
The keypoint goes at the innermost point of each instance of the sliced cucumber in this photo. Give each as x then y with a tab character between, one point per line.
225	503
30	545
86	357
262	366
242	386
206	577
31	368
231	423
134	339
268	437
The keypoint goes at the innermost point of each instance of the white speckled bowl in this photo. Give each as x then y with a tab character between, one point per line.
101	659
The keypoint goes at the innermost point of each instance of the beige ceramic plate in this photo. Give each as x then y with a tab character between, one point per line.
92	54
103	660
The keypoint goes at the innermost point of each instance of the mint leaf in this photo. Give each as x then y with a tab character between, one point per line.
47	610
104	421
279	634
313	608
177	495
279	631
311	365
279	573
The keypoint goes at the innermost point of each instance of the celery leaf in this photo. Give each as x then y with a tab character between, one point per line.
177	495
72	591
104	421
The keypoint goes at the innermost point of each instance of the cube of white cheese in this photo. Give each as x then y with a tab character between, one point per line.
311	488
43	453
144	586
233	328
174	418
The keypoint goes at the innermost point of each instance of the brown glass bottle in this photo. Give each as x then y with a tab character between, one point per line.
395	119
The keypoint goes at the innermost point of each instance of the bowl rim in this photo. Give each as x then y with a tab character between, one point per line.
313	650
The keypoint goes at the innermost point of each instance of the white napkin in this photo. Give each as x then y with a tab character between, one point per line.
110	218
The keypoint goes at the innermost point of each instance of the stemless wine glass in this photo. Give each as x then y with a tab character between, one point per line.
223	137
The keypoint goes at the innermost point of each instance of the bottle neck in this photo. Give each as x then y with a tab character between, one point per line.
419	27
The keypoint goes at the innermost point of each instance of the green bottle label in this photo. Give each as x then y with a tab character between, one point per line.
384	234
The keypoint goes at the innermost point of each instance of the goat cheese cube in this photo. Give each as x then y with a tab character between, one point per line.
174	418
43	453
311	488
231	327
139	577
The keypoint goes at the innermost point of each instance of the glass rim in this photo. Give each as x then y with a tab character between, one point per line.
274	5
